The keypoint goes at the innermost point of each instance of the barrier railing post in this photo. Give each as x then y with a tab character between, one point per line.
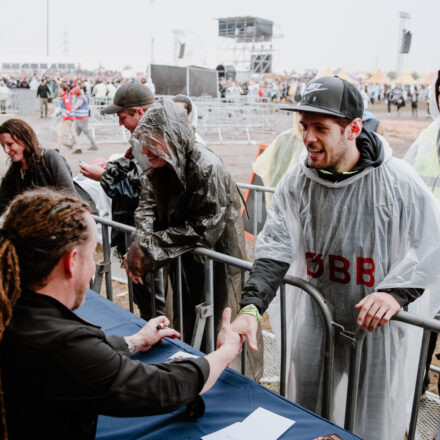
419	385
129	282
329	345
107	262
179	295
283	366
257	216
243	352
353	378
209	299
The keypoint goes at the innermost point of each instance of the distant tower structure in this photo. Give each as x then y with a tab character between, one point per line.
247	43
65	45
179	46
403	41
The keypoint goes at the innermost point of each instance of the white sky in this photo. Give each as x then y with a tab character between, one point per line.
354	34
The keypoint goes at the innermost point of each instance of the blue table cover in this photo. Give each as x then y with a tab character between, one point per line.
233	397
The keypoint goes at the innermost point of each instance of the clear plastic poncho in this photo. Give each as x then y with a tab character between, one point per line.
333	234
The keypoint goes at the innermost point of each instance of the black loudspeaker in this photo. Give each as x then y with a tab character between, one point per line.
181	50
406	42
261	63
220	71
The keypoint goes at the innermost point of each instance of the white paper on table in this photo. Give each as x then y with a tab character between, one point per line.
222	433
261	425
180	355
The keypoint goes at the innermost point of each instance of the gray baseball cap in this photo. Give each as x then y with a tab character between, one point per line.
129	95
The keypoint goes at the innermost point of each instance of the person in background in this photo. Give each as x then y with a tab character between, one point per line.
120	180
43	93
31	165
67	120
80	111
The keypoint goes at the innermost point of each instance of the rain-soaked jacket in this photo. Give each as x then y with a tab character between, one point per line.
121	182
377	229
192	201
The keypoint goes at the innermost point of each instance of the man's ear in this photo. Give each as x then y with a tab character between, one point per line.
354	128
70	260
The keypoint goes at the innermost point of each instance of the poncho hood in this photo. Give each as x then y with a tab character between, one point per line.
165	125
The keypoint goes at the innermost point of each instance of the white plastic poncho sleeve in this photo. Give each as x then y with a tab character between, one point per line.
377	229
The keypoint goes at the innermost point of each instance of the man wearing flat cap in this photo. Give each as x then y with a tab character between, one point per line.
120	180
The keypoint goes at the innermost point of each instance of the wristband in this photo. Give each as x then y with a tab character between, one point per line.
250	310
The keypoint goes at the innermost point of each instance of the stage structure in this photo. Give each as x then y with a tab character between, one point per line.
247	44
403	42
189	80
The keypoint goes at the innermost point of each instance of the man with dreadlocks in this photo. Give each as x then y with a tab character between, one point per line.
47	244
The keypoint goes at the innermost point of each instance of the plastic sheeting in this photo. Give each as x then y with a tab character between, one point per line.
378	229
423	155
278	157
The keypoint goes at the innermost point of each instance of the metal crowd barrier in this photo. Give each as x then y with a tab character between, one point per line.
19	101
103	270
207	323
238	120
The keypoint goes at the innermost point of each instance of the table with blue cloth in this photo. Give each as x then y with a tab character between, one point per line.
232	399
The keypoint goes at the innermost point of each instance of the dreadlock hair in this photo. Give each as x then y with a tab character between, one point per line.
40	227
24	134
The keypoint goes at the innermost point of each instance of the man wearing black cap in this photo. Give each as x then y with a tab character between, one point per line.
360	226
120	180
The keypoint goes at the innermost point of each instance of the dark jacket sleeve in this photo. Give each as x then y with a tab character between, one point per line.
404	296
262	285
61	176
113	384
121	179
7	190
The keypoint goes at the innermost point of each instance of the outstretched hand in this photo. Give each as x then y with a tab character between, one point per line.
244	325
93	172
376	309
231	340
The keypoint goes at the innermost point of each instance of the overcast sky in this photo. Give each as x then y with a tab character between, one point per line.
354	34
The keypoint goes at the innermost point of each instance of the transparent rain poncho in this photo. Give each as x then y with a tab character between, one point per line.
424	152
333	234
278	157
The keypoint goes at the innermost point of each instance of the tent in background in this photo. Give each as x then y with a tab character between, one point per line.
406	80
342	73
377	77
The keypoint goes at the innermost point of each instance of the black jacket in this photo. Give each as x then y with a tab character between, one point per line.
51	170
59	372
121	182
